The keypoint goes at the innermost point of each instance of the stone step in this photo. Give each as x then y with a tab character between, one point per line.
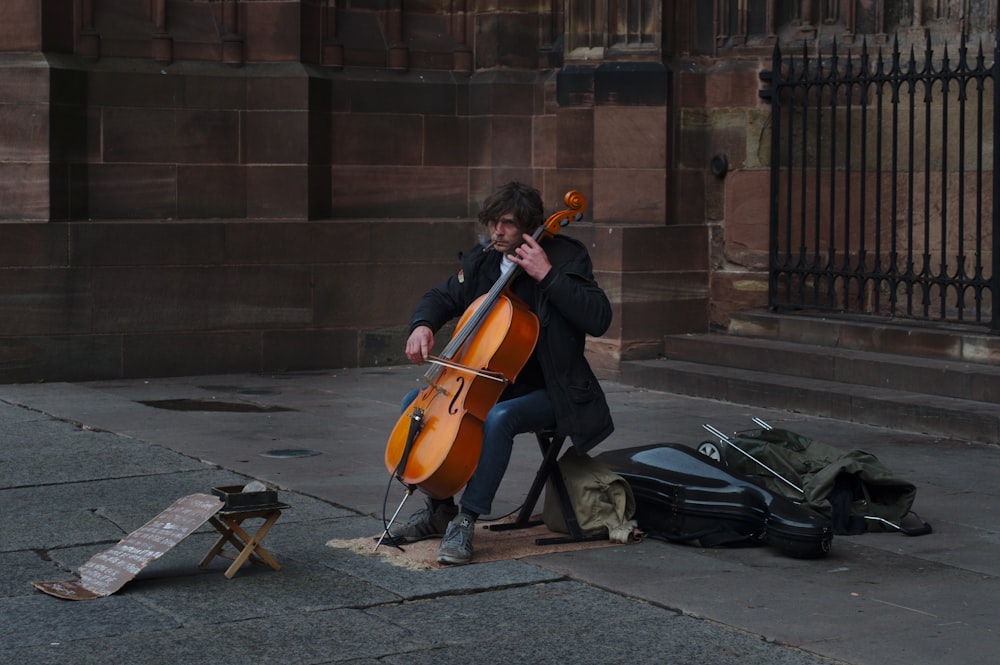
893	371
918	412
925	340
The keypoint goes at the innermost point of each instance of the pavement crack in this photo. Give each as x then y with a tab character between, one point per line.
454	593
904	607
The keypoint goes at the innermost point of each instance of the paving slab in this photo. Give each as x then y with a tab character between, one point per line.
85	464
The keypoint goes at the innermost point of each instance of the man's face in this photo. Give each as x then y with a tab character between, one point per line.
505	234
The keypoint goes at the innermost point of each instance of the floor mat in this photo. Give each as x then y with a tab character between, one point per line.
488	545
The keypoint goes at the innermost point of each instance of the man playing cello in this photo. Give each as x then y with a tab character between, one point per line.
556	388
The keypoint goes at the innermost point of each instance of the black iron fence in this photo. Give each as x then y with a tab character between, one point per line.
883	173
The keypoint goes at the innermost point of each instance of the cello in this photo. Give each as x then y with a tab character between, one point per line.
436	442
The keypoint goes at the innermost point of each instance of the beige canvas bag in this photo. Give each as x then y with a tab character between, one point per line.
602	500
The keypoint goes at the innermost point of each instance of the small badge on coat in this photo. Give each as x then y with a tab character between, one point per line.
461	276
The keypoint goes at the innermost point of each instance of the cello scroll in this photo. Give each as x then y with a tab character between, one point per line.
576	205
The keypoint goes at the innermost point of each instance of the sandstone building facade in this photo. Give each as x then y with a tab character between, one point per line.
209	186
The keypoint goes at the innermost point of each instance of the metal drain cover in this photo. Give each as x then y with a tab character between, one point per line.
212	405
286	453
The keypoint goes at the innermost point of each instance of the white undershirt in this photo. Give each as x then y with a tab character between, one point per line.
506	264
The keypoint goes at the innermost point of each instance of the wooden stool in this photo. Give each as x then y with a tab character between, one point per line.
229	524
551	444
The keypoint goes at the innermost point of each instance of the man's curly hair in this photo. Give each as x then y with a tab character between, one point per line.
523	201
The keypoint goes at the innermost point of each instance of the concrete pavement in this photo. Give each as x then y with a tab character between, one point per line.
85	464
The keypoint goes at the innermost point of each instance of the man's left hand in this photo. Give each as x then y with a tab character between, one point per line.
532	258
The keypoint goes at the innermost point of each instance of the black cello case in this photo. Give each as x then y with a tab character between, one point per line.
684	496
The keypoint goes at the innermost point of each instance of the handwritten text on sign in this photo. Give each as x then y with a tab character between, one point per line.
110	570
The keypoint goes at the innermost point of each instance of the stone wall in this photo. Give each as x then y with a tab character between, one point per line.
171	209
138	298
722	177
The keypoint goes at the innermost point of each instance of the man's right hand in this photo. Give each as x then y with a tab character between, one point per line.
419	344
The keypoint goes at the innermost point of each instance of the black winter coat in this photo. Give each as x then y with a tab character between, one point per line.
569	305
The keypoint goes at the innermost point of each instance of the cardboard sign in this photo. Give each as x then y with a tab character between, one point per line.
110	570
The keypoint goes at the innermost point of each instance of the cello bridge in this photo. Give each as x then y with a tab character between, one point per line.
441	390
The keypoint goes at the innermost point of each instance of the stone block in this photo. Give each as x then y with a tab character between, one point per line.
169	136
575	86
191	299
758	139
691	93
296	242
517	40
25	79
694	134
705	134
543	141
25	131
301	350
575	138
24	191
445	140
129	191
277	192
630	195
48	358
480	141
507	40
511	141
211	89
69	134
276	137
748	210
603	358
420	241
34	245
356	295
399	191
985	388
426	93
558	181
641	248
190	354
385	346
50	301
733	84
745	324
21	25
727	135
312	32
691	316
981	349
502	93
369	139
146	244
733	291
211	191
651	294
923	343
643	323
113	88
271	31
428	36
631	84
630	137
687	193
285	88
320	185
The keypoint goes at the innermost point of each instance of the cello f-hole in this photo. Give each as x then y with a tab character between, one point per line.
461	386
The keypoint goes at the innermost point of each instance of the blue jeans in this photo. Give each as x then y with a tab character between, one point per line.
505	420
